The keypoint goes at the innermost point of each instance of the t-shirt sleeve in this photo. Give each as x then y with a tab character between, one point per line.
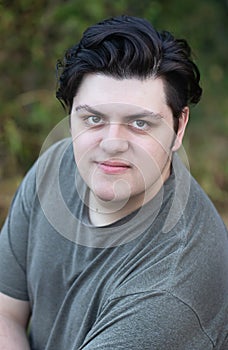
146	321
14	241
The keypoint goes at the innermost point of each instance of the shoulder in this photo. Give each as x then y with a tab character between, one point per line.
56	153
201	214
57	159
203	233
193	204
148	320
199	273
41	172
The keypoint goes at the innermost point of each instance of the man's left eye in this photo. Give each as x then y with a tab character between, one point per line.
140	124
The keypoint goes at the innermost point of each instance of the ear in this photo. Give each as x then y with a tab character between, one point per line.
183	121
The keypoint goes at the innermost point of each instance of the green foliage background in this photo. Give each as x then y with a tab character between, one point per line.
34	34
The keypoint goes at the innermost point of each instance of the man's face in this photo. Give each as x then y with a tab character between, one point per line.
123	137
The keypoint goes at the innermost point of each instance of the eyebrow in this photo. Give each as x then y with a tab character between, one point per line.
89	109
142	114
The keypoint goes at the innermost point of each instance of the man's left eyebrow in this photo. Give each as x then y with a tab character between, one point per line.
145	114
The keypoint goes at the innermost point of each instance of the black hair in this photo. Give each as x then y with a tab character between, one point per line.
129	47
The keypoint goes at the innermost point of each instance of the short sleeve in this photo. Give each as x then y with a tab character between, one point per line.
145	321
14	240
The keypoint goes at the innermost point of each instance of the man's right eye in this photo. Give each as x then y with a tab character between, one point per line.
94	120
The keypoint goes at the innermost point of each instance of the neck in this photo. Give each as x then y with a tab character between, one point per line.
104	213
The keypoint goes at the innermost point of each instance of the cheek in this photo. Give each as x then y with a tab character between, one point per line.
82	156
151	156
151	148
163	143
82	145
163	138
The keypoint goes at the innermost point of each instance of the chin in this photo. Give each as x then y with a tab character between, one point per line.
110	197
120	190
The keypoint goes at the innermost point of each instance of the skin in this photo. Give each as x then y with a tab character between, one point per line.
14	316
123	141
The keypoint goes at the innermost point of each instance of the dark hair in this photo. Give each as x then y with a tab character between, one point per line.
127	47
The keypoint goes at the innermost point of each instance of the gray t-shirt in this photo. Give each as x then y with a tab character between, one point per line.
156	280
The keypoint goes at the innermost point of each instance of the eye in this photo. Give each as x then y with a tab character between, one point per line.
140	124
94	120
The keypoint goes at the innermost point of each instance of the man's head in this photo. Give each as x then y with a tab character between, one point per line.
129	47
127	88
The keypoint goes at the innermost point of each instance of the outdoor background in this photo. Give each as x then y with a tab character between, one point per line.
34	34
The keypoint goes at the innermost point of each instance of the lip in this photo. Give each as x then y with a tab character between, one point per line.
113	167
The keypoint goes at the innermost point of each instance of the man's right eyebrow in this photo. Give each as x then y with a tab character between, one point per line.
89	109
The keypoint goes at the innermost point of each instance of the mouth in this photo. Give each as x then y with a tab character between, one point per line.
113	167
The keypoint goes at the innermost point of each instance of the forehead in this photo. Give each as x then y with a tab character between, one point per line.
98	89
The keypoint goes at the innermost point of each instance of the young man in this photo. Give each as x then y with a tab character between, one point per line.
110	243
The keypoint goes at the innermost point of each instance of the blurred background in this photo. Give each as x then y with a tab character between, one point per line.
35	34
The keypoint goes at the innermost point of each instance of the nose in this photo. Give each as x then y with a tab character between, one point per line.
114	140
